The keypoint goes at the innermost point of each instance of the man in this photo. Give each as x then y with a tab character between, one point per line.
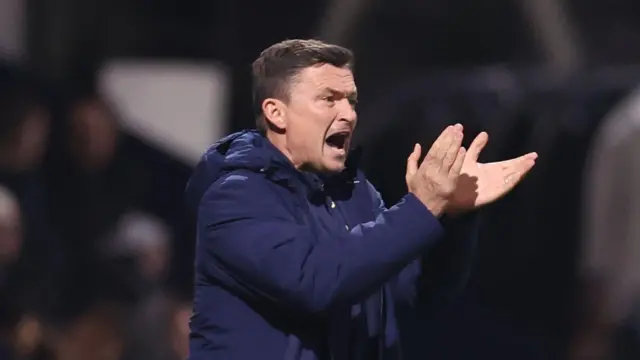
297	257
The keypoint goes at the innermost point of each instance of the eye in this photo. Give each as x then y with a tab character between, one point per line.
329	100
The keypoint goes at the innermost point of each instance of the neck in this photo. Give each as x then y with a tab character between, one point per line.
280	142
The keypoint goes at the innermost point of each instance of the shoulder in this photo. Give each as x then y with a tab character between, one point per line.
238	185
242	193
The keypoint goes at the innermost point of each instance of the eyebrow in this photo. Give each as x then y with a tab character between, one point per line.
348	94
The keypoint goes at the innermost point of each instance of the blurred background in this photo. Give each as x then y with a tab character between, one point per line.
106	105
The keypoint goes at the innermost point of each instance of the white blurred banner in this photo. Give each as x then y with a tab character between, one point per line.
12	28
180	107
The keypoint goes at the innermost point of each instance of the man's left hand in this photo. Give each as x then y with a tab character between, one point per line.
480	184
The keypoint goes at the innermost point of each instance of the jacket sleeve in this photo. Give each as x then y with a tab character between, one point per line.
443	270
440	274
249	242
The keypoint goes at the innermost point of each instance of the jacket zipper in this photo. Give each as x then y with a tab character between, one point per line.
382	311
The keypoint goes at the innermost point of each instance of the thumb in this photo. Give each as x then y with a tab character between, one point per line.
477	145
412	162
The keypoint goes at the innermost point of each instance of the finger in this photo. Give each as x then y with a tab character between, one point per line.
477	145
412	160
457	165
523	158
452	151
440	146
514	163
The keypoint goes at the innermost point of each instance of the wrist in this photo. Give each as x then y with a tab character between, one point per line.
435	207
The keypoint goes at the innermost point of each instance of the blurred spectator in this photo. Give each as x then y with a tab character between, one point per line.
95	335
147	240
10	240
24	123
152	328
83	172
180	329
610	325
10	229
120	254
100	172
94	134
89	194
20	334
28	337
24	135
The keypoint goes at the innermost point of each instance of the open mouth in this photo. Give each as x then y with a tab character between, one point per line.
338	140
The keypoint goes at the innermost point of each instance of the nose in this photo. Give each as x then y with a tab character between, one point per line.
347	111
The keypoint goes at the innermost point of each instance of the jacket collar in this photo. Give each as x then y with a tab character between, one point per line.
280	169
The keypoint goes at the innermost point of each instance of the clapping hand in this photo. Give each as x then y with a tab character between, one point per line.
483	183
434	181
477	184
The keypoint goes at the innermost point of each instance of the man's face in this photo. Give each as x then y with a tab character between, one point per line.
320	118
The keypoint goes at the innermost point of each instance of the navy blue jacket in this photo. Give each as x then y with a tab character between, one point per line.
296	266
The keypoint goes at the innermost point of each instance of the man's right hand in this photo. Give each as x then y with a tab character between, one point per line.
435	179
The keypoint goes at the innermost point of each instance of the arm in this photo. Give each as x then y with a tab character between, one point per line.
251	243
442	271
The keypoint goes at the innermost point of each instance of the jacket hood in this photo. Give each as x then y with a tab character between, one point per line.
252	151
241	150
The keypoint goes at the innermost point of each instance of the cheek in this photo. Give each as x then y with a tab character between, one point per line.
308	132
307	125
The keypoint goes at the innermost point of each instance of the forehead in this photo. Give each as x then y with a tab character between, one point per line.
327	76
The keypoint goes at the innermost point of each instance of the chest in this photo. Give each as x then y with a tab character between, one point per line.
331	210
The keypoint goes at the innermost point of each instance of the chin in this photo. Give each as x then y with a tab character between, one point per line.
334	167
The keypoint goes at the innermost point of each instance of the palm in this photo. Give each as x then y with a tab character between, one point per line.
480	184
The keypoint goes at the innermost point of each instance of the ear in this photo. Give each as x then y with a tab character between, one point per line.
274	111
